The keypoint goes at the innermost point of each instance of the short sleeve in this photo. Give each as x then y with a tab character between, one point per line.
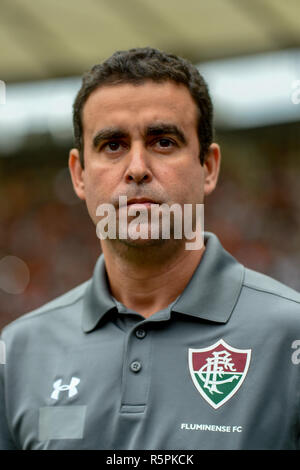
6	441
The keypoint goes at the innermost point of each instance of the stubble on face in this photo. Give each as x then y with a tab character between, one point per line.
175	178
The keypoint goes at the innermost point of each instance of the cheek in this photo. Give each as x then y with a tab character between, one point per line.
100	185
95	194
188	184
97	184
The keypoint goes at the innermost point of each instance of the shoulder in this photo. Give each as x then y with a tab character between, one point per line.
61	306
268	300
269	287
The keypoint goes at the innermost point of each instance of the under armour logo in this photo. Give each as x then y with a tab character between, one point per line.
58	387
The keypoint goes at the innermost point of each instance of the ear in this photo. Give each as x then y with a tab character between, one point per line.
211	168
77	173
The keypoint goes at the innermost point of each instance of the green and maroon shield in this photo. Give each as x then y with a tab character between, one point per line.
218	371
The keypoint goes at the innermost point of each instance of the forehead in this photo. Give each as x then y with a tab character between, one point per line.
139	105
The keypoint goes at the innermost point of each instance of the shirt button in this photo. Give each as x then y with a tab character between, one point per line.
135	366
140	334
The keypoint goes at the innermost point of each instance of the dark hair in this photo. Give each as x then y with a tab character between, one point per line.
136	66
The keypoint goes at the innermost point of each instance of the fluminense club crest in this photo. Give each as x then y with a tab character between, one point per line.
218	371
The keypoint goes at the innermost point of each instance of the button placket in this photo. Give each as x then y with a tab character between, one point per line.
136	373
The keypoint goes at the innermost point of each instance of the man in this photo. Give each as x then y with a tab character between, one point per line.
164	347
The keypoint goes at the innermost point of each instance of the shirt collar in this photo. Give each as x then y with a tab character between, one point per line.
97	299
211	294
215	286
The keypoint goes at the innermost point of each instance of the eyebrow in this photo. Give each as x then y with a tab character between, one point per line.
115	133
162	129
109	133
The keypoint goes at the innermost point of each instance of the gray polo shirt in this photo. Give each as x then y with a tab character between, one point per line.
217	369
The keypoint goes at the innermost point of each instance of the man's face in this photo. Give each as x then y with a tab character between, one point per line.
140	142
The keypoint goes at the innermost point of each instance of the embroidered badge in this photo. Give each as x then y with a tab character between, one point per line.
218	371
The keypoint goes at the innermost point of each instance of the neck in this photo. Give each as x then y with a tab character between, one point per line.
147	279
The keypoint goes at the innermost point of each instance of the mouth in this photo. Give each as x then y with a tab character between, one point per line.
145	202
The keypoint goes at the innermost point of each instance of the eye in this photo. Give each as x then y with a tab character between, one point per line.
112	146
165	143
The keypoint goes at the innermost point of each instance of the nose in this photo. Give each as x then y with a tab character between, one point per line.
138	169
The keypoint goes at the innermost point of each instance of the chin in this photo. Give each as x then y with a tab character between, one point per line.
143	243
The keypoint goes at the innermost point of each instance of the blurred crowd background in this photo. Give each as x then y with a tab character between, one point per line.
48	243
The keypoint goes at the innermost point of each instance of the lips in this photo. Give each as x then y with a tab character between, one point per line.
142	200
